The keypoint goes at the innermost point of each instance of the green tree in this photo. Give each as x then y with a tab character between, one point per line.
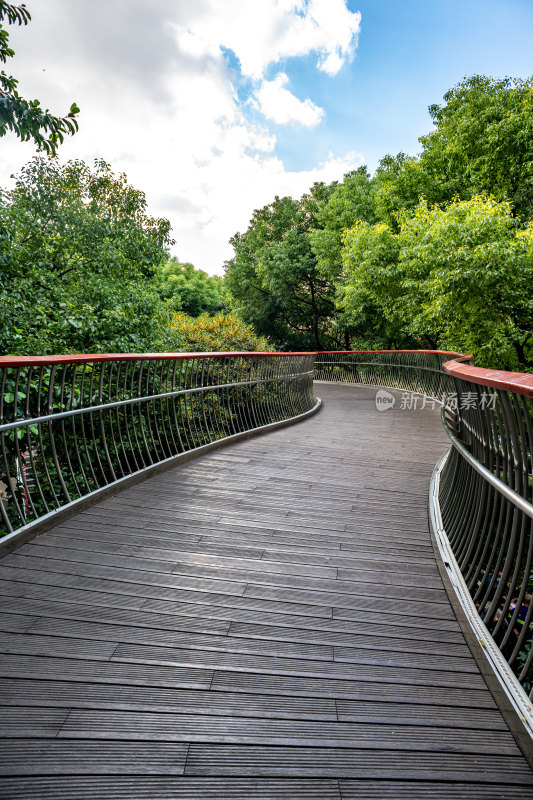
401	181
483	141
274	278
352	200
458	278
26	118
369	292
78	252
190	290
347	202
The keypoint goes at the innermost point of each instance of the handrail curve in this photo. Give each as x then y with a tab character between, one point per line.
518	382
498	484
74	427
484	499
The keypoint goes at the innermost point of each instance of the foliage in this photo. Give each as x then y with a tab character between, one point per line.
210	334
483	141
458	278
190	290
274	277
349	201
433	250
77	252
369	289
44	465
26	118
523	655
400	182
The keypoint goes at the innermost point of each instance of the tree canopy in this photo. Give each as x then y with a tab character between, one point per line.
274	278
78	251
458	278
190	290
26	118
483	141
434	250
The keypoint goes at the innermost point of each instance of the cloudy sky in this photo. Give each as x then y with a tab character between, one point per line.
213	107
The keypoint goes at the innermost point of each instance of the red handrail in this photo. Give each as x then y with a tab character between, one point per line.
86	358
34	361
436	352
519	382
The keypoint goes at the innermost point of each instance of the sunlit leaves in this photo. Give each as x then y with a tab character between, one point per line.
483	140
460	277
205	333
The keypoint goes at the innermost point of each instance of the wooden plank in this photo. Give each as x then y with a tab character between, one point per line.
157	787
125	726
60	757
285	628
55	666
220	759
433	790
272	664
362	597
120	697
362	636
56	694
355	688
18	722
266	622
113	616
45	599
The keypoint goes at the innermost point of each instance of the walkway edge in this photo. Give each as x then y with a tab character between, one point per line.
19	537
512	701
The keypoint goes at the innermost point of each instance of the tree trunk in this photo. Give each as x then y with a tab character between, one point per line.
318	345
519	347
432	343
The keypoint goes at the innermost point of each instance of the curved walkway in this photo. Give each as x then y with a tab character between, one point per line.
265	622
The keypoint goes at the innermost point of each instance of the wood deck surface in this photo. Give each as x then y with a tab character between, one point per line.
265	622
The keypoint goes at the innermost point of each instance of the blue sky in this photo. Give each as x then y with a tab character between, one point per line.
213	108
408	55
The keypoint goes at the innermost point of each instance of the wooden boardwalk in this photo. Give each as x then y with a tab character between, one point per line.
267	622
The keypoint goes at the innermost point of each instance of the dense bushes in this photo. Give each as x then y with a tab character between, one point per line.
205	334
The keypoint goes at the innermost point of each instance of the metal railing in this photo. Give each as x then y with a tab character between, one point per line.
482	491
411	370
71	426
486	504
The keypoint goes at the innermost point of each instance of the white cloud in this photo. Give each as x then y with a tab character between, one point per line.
262	32
255	181
281	106
339	31
160	103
